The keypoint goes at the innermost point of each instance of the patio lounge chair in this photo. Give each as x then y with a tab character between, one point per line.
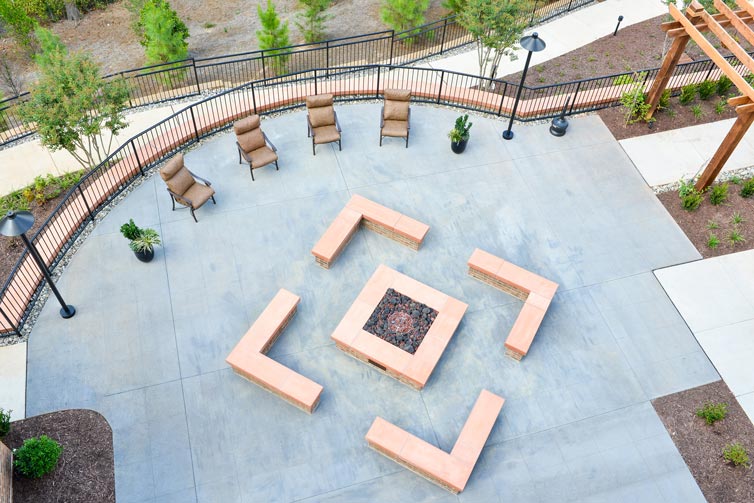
396	114
322	121
253	145
183	186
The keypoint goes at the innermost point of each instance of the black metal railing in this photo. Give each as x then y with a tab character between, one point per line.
191	77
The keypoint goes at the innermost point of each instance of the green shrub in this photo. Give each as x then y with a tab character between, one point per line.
37	457
312	19
4	422
664	101
631	78
736	453
723	85
712	412
130	230
735	237
685	187
403	15
718	194
697	111
17	21
273	35
712	242
635	106
736	180
747	189
163	34
688	94
721	106
707	89
737	218
692	200
455	6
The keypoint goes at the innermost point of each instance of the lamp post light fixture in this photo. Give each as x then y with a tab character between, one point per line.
531	43
620	18
17	224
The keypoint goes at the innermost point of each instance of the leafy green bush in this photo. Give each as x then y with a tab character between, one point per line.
635	106
688	94
718	194
664	101
630	78
735	237
712	242
403	15
712	412
4	422
273	35
685	187
697	111
747	189
455	6
17	21
707	89
692	200
163	33
37	457
311	22
721	106
724	85
130	230
736	453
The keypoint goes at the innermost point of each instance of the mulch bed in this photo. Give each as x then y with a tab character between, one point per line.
695	224
701	445
85	472
401	321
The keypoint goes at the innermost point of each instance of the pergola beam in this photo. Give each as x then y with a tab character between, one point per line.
710	51
674	28
741	27
728	41
665	73
746	6
726	148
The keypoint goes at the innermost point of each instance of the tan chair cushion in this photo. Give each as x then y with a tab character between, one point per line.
199	194
262	157
395	128
326	134
181	181
246	124
171	167
251	140
398	94
320	100
323	116
396	110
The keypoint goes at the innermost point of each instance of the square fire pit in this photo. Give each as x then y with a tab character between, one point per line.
399	326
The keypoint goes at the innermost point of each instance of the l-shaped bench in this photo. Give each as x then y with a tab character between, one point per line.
380	219
248	358
450	471
536	292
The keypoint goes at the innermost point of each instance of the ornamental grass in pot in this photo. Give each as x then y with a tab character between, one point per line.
141	241
459	135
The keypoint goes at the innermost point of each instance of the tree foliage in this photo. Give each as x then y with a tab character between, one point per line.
48	44
311	21
18	22
73	109
403	15
455	6
497	26
273	35
163	34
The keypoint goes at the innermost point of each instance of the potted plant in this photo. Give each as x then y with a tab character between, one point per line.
459	135
141	241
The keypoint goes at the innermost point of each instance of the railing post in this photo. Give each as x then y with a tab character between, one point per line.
193	120
327	54
439	92
573	103
138	161
86	203
15	327
392	44
377	90
533	12
712	66
569	6
264	72
315	81
253	98
130	103
442	40
502	97
196	77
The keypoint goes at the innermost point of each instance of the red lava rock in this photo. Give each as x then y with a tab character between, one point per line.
401	321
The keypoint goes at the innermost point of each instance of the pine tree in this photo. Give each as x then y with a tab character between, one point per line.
273	36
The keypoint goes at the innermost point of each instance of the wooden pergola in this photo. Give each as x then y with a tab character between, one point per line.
691	26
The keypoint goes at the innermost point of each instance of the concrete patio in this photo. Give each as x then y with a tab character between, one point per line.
148	343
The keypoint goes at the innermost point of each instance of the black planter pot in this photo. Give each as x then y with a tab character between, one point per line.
458	147
146	256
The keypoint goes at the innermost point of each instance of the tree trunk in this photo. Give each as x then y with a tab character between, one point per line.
72	12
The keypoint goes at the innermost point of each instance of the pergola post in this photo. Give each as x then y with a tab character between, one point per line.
726	148
662	79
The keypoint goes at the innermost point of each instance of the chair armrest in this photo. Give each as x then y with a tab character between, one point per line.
267	140
382	116
309	125
205	182
180	198
408	119
243	153
337	123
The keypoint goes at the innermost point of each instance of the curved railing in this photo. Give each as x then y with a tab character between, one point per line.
145	150
192	77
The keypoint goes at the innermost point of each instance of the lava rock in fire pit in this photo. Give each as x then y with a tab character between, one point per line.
401	321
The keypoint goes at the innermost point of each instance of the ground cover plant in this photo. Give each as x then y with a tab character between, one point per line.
715	453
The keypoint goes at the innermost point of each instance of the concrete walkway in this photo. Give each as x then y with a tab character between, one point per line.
716	298
563	34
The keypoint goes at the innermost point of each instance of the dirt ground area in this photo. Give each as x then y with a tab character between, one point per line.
217	27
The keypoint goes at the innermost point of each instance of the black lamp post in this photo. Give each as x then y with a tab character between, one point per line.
620	18
531	43
16	224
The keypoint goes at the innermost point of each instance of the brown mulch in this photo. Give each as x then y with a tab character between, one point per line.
85	472
701	445
676	116
695	223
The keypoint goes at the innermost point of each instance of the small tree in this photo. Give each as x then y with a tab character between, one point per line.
48	44
73	108
312	19
18	22
455	6
497	26
163	33
403	15
273	36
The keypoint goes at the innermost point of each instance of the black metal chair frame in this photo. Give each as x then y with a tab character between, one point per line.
243	156
382	124
310	132
175	197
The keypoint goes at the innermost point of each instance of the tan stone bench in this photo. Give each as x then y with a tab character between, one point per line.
373	216
536	292
248	358
451	471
